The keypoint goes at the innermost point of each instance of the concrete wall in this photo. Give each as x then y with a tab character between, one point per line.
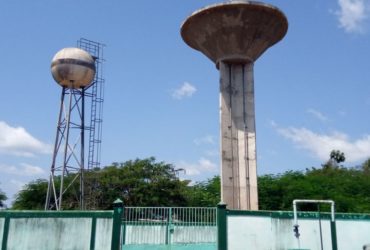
353	234
268	233
49	233
103	239
57	230
265	232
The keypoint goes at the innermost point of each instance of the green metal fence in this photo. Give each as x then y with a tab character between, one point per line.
169	226
142	228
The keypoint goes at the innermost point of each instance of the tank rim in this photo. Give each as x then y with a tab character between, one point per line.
233	2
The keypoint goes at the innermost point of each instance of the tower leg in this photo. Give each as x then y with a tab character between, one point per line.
238	137
51	185
82	166
66	149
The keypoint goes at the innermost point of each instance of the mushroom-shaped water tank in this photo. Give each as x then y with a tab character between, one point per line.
73	68
234	31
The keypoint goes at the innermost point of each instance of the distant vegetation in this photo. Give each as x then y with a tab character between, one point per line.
348	187
2	199
142	182
145	182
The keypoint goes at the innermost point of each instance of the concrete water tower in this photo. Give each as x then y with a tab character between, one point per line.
234	35
77	71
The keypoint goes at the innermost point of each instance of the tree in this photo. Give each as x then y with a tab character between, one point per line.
276	192
32	197
348	187
336	157
2	199
145	182
366	166
142	182
205	194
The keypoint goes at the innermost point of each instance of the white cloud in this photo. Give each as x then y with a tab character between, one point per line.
17	141
352	14
31	170
273	123
194	169
208	139
320	145
212	153
18	184
186	90
8	169
24	170
318	115
207	165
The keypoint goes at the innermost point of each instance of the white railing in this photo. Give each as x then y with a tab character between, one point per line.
163	225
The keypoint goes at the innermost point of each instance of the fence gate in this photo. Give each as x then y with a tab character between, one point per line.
159	227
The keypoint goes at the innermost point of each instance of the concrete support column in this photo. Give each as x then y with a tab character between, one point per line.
238	136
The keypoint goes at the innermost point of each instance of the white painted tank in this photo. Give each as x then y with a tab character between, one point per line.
73	68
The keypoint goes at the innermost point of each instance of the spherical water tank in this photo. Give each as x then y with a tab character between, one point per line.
73	68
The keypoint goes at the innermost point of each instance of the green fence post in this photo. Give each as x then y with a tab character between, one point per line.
93	233
333	229
5	232
117	221
221	227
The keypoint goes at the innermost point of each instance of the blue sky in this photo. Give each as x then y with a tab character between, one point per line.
161	97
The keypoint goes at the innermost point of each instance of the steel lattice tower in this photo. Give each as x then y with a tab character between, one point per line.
67	172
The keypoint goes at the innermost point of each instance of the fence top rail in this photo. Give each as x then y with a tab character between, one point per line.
172	207
301	215
56	214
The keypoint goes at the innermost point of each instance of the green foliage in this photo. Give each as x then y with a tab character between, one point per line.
2	199
336	157
145	182
138	183
366	166
348	187
205	194
32	197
